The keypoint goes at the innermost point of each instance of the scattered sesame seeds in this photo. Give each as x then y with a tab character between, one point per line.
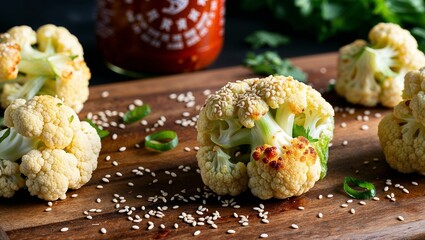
64	229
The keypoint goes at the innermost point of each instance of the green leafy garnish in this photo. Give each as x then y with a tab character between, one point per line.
324	19
102	133
367	191
259	39
301	131
137	114
270	63
162	140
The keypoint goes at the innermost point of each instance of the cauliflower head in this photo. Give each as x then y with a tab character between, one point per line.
372	72
52	149
402	133
48	61
270	135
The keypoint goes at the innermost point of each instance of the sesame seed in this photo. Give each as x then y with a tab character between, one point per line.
415	184
320	215
176	225
330	196
107	158
130	184
265	220
105	180
74	195
364	127
344	143
362	203
98	200
118	174
405	190
99	186
400	218
197	232
187	149
343	125
103	230
122	149
114	136
48	209
105	94
115	163
294	226
64	229
135	227
230	231
264	235
320	196
344	205
375	198
352	211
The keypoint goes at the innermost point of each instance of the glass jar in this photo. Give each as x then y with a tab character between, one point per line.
159	36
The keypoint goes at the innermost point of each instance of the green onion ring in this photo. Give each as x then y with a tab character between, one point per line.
368	193
162	141
137	114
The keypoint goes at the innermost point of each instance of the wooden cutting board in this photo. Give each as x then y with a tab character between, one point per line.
355	152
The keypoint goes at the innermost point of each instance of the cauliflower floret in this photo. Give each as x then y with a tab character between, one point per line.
291	173
221	175
44	117
10	178
57	151
243	119
372	73
47	62
402	133
50	173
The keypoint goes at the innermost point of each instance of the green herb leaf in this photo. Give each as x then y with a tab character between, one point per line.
270	63
102	133
368	189
162	141
301	131
259	39
137	114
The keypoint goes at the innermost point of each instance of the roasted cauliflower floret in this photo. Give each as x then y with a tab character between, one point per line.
267	134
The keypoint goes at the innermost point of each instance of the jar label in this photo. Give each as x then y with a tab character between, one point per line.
167	24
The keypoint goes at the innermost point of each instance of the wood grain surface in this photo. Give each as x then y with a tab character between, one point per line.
355	152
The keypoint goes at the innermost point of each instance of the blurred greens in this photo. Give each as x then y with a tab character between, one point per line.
270	63
329	18
259	39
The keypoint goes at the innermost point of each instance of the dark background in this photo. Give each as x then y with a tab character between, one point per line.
78	16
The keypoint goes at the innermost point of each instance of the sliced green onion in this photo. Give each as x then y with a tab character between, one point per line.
368	191
137	114
162	141
5	135
102	133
